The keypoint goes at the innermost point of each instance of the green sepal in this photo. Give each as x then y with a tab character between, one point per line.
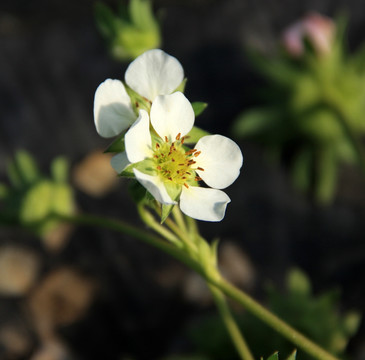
199	107
292	356
105	20
59	169
117	145
166	210
274	356
141	15
145	166
182	85
138	101
137	191
194	135
214	251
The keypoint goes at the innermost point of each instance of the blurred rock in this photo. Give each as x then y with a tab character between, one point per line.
15	340
19	268
52	349
94	175
60	299
56	239
235	265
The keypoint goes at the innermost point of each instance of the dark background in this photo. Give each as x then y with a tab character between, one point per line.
51	61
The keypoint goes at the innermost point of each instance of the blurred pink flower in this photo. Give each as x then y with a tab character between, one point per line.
317	29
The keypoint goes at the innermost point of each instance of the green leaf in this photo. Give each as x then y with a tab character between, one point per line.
141	14
59	169
214	251
14	176
181	87
298	282
302	169
27	167
351	322
255	122
166	210
325	176
36	203
199	107
62	199
194	135
117	145
4	191
105	20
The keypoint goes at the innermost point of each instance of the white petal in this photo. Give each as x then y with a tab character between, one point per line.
154	73
113	111
171	115
155	186
204	204
138	139
119	162
221	159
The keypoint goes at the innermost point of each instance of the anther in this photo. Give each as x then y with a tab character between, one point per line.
190	152
172	159
201	169
137	104
186	185
178	136
170	178
157	145
182	140
166	139
181	164
197	153
189	173
159	168
197	178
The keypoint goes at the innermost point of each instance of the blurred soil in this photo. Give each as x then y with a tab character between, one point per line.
99	295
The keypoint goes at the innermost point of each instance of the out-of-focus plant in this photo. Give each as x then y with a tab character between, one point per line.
129	32
312	116
316	316
32	197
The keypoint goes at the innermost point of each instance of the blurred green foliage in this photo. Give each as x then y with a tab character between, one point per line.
130	31
311	116
317	317
32	198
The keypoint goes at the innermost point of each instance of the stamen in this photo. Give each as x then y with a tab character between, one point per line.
178	136
157	145
159	168
166	139
201	169
172	159
190	152
197	178
187	172
137	104
182	140
197	153
170	178
186	185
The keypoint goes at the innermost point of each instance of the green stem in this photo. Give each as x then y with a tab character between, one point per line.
232	328
229	290
272	320
179	219
127	229
150	221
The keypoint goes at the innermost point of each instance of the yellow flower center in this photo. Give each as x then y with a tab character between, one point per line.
174	163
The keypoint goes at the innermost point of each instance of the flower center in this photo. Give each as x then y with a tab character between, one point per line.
174	163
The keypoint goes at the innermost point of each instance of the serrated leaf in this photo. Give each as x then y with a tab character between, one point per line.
298	282
199	107
194	135
117	145
59	169
181	87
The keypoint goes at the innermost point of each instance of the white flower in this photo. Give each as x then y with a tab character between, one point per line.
152	73
169	171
